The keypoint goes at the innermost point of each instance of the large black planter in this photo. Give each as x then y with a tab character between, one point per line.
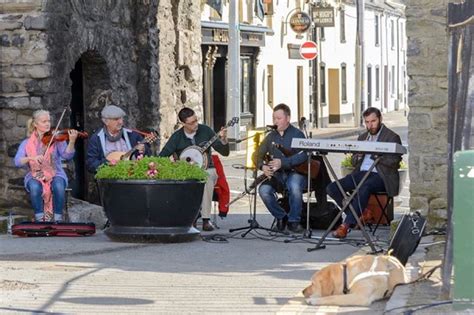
151	210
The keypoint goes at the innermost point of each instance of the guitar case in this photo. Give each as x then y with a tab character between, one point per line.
407	236
28	228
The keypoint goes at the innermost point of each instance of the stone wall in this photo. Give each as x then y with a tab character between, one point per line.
427	66
180	60
23	67
144	54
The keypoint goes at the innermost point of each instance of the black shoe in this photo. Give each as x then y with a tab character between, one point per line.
207	225
281	224
295	227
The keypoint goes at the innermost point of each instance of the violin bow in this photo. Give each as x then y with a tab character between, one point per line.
55	130
143	133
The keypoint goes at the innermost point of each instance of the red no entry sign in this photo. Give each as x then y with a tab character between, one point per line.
309	50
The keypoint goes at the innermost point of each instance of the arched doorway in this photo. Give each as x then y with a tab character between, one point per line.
90	91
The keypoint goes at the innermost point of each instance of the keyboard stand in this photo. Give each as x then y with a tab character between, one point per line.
347	203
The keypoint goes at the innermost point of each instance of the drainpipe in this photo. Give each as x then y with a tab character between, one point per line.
233	101
386	94
360	64
398	64
314	69
381	91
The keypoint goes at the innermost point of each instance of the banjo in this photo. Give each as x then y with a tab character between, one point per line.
197	154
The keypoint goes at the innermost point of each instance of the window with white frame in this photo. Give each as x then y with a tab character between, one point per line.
322	82
343	82
377	83
268	11
342	25
393	81
270	85
377	24
250	7
402	45
392	33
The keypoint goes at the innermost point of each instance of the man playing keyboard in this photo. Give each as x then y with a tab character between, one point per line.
383	177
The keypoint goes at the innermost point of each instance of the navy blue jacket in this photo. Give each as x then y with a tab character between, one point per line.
274	137
96	150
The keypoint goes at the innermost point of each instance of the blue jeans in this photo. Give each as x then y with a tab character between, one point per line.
373	184
58	187
294	184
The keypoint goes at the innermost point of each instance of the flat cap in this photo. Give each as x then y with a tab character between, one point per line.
112	111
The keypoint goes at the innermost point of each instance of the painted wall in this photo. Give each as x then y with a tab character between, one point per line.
332	54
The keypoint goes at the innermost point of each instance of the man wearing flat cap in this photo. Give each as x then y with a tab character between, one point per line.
112	138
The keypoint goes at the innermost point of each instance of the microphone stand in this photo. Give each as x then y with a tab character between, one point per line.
307	232
253	223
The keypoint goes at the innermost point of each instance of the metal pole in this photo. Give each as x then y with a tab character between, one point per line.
360	47
446	271
233	99
314	78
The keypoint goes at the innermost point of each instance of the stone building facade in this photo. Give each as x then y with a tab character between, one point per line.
143	55
428	98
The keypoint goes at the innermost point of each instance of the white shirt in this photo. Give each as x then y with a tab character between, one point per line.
190	136
367	162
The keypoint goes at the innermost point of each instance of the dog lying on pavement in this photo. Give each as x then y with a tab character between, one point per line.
358	281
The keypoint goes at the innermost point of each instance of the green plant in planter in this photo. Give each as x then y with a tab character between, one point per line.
151	168
403	165
347	161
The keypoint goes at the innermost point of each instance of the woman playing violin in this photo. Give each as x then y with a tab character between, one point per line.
46	180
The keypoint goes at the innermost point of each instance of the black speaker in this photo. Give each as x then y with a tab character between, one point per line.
407	236
321	214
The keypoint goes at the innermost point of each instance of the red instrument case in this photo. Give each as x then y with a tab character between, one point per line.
53	229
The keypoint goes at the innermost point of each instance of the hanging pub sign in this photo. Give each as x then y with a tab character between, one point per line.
323	16
300	22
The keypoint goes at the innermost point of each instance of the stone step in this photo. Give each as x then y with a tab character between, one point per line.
16	211
15	218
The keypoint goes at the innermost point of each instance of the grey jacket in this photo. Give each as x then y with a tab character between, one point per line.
389	163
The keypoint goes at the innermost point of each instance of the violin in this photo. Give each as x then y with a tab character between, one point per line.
61	135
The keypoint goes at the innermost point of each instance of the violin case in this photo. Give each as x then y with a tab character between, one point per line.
53	229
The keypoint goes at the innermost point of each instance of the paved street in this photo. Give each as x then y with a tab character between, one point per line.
224	274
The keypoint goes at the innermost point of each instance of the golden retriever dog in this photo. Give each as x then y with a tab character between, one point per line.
358	281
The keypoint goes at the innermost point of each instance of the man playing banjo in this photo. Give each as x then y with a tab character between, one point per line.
186	142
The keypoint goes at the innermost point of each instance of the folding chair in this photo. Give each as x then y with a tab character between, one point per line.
384	208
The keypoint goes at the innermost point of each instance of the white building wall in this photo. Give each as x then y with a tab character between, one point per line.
394	58
332	54
403	78
275	52
285	81
373	58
